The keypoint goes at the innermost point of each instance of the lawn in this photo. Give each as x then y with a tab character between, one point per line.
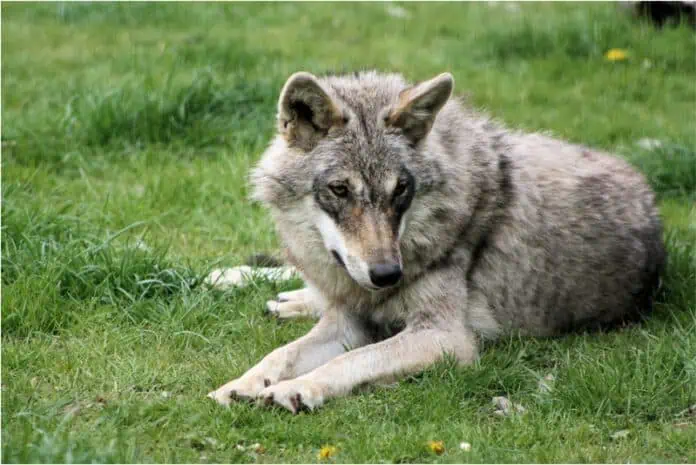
127	134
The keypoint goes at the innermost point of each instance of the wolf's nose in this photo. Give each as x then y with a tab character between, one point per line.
385	274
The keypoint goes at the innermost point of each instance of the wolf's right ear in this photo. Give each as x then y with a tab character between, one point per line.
418	106
306	111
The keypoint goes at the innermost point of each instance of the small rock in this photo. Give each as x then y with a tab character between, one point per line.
465	446
649	144
240	447
503	403
621	434
166	394
505	407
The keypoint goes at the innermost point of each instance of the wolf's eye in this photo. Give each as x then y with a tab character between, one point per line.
400	187
339	190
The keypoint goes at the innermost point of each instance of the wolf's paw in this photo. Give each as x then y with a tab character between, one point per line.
293	304
246	388
295	395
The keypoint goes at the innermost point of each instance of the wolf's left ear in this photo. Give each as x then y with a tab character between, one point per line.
418	106
306	111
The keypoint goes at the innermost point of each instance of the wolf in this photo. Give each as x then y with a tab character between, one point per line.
422	227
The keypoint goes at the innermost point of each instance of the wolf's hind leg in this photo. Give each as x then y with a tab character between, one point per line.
241	276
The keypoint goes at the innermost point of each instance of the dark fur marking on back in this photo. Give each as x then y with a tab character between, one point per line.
505	197
505	182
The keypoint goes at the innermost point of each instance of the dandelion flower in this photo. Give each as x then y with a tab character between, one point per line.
437	447
327	452
616	54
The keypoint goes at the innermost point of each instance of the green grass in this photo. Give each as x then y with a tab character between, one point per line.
127	134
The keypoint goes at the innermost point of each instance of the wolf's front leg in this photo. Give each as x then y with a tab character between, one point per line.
410	351
332	336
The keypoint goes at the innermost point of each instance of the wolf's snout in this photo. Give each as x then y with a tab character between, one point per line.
385	274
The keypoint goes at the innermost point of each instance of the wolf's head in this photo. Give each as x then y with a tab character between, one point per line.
346	161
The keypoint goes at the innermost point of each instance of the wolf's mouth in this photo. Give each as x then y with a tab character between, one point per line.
338	258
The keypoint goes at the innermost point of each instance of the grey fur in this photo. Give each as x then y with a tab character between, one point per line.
505	231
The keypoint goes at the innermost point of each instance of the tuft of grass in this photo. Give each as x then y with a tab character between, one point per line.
72	265
670	169
202	114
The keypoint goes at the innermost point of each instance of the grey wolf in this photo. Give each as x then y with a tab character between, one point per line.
422	227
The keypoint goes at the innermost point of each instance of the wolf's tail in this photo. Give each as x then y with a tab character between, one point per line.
264	260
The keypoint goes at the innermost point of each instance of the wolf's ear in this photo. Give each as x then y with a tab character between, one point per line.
418	106
306	111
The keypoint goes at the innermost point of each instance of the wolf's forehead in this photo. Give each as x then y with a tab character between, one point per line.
363	147
364	105
367	156
365	92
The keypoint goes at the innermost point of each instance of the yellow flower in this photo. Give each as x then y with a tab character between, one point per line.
616	54
438	447
327	452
